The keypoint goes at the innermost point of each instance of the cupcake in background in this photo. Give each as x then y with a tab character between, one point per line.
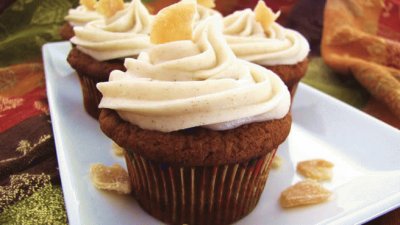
79	16
256	37
86	12
101	45
199	126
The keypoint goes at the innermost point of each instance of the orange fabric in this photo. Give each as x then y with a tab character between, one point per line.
27	152
22	94
20	79
361	38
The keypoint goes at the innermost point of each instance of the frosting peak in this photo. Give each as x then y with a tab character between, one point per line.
125	34
243	23
275	46
190	83
134	18
204	12
82	15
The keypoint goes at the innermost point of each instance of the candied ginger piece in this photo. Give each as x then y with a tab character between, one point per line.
305	192
110	178
89	4
108	8
174	23
276	162
118	150
206	3
317	169
265	15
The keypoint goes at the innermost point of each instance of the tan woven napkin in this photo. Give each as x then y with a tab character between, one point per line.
362	38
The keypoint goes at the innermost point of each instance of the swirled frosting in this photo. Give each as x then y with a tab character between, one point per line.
276	46
204	12
82	15
190	83
125	34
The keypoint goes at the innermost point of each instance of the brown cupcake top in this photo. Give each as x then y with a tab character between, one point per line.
290	74
89	66
66	31
197	146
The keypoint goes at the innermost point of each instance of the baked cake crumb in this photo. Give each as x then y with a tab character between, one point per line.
276	162
118	150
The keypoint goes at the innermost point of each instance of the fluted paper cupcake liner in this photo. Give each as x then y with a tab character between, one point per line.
91	96
198	195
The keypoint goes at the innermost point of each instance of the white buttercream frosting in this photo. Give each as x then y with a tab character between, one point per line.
81	15
184	84
204	12
125	34
276	46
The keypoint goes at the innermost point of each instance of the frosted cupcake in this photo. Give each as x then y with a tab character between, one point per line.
86	12
256	37
102	45
79	16
199	126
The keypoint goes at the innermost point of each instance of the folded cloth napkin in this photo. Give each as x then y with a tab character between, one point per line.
362	39
29	177
30	191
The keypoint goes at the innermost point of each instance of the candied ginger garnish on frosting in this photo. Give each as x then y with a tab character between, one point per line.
89	4
206	3
265	15
190	83
109	7
174	23
134	18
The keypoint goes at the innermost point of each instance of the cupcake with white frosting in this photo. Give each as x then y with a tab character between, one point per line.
200	126
84	13
255	37
101	46
78	16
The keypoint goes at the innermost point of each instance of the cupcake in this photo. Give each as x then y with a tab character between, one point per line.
86	12
199	126
102	45
255	37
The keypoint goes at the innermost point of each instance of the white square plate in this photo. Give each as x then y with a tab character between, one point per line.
365	151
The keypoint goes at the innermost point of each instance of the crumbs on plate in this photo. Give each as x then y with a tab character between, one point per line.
118	150
276	162
305	192
316	169
309	191
110	178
